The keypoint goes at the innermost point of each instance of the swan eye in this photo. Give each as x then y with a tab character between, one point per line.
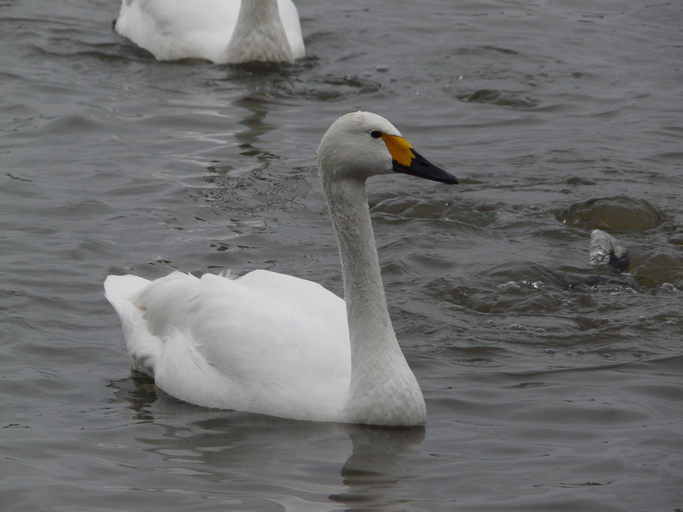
375	134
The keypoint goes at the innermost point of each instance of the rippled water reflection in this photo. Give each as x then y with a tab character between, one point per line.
551	384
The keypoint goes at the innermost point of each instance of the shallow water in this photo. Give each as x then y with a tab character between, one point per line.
550	384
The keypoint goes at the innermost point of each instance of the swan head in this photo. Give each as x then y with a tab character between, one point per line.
362	144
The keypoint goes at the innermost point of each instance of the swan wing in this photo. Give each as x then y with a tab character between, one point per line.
266	342
179	29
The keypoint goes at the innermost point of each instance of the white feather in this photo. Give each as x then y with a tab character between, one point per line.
204	29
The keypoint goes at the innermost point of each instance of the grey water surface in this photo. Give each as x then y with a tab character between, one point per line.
550	384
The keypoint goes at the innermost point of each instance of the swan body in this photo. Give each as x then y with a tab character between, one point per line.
221	31
275	344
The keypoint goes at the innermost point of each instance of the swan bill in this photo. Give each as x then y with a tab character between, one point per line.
408	161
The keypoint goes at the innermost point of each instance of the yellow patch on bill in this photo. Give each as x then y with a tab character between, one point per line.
400	149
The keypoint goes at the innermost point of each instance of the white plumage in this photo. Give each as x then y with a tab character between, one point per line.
266	342
222	31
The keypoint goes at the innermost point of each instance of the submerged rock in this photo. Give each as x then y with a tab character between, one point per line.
606	250
498	97
659	269
616	214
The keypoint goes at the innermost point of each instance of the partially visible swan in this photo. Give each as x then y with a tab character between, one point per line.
604	249
222	31
275	344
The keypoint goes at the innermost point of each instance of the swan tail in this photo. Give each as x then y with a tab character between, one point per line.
122	293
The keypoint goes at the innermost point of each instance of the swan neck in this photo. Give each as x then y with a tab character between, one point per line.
363	288
259	34
383	389
258	12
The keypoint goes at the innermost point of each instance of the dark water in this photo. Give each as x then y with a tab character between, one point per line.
550	385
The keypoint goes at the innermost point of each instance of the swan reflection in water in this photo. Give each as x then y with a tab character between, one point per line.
274	460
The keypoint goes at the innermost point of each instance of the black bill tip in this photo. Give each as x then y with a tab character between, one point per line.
423	168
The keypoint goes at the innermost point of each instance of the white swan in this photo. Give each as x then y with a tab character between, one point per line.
275	344
222	31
